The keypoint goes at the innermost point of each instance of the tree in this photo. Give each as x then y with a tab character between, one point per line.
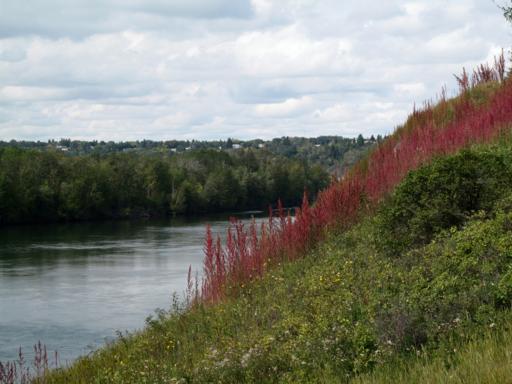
187	198
360	140
222	190
507	11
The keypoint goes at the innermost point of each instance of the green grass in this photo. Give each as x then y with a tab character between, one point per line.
351	307
484	361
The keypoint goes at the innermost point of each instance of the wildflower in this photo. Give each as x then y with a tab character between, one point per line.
245	358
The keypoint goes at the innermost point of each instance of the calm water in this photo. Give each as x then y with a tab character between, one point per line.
74	286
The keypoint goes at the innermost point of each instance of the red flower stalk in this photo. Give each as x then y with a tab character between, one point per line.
429	132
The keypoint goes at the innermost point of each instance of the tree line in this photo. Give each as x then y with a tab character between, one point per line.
334	153
49	185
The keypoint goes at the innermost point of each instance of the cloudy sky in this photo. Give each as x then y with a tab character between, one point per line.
210	69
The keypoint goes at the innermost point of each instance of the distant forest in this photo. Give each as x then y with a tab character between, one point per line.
75	180
333	153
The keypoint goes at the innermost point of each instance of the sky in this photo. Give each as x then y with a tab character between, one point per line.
212	69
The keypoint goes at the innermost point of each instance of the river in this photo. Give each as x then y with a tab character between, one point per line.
73	286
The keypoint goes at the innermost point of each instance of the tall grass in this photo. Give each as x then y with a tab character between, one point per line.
481	113
485	361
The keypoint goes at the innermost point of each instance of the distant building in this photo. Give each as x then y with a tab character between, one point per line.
261	145
174	150
236	146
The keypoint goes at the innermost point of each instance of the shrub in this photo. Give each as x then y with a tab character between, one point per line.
443	194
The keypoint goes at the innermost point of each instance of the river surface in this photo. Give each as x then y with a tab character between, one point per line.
73	286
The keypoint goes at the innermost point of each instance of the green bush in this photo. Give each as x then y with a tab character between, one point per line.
442	195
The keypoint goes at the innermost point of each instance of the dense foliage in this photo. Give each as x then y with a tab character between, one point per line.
347	308
443	195
334	153
49	185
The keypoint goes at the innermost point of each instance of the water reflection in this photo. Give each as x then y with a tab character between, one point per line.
73	286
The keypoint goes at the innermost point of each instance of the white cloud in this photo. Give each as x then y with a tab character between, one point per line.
290	107
262	8
289	51
26	93
159	69
334	113
414	90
